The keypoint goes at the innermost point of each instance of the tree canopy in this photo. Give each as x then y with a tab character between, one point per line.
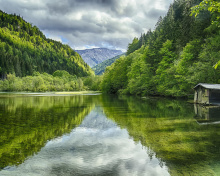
172	59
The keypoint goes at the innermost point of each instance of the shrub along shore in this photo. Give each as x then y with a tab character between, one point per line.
60	81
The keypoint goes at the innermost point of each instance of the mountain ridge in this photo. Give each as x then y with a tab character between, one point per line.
97	55
99	69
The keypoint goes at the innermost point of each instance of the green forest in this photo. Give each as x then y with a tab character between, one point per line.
182	51
24	49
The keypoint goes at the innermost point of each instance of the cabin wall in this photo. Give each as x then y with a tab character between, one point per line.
201	95
196	97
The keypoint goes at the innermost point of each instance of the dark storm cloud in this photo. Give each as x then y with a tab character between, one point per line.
90	23
68	26
112	7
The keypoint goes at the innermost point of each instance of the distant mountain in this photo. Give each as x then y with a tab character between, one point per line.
100	68
97	55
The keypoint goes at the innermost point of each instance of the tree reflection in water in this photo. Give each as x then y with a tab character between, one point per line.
122	135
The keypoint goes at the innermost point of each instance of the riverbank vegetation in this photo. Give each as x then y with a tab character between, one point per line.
172	59
60	81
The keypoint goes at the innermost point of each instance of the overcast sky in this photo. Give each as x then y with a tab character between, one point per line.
90	23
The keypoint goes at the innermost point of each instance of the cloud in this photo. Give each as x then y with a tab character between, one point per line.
90	22
155	13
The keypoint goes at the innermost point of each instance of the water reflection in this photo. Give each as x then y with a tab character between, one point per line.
28	122
121	136
207	114
97	147
169	128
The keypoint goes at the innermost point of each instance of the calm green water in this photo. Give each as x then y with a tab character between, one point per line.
59	135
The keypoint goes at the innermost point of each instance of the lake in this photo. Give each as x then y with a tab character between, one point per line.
50	134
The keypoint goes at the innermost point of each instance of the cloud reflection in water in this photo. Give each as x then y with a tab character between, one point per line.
97	147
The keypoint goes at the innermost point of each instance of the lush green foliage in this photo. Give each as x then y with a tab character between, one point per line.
214	8
59	81
115	77
92	82
171	60
24	50
100	68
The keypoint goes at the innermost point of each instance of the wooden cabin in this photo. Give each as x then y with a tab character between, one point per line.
207	94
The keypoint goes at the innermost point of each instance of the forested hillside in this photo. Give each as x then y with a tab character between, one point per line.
24	50
100	68
170	60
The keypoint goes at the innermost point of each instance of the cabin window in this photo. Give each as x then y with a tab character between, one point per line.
215	95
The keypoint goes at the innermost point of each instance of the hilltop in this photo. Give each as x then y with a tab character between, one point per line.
24	49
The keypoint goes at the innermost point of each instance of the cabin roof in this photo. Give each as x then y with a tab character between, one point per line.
208	86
